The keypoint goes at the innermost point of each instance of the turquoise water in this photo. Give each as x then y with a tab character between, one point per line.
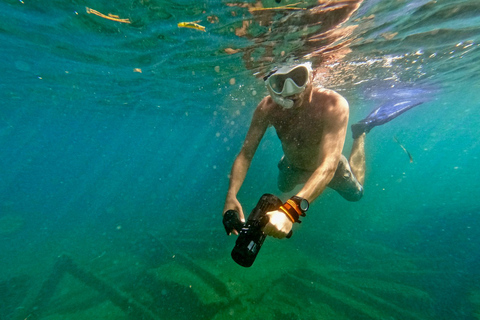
118	137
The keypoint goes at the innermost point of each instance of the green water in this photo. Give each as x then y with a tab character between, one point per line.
117	140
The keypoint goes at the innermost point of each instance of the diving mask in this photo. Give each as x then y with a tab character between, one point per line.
288	81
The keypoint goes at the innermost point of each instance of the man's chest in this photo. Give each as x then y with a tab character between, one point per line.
300	131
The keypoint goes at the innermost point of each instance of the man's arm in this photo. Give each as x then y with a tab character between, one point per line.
335	129
242	162
333	138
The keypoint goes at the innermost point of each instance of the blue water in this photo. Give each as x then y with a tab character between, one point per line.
117	140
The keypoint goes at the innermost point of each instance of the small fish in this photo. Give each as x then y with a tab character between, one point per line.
404	149
191	25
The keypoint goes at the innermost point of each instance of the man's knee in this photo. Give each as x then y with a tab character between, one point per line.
345	183
355	195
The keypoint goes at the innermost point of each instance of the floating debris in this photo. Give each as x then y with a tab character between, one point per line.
192	25
231	51
287	7
213	19
108	17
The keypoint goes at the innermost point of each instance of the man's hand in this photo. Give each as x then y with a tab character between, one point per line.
278	226
233	204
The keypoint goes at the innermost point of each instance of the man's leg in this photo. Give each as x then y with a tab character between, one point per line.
357	158
345	182
379	116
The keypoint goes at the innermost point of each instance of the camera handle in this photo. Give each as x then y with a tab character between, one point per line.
231	221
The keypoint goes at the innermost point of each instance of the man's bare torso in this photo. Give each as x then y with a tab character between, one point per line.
300	129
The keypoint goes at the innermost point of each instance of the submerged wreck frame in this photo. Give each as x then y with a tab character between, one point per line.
319	290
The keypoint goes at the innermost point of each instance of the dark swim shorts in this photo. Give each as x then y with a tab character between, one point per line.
344	182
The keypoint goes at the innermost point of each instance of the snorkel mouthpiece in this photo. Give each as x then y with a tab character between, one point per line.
286	103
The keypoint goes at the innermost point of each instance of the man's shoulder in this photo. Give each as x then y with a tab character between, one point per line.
266	105
265	110
328	93
330	97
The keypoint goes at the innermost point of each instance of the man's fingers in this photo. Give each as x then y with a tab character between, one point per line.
278	225
268	229
272	231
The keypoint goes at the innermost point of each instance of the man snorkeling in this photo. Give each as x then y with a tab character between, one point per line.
311	123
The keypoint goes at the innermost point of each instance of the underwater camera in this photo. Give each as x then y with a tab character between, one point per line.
251	236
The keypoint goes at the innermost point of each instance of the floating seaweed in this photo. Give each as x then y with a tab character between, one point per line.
110	16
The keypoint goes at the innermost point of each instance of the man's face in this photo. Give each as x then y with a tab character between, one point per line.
300	97
288	84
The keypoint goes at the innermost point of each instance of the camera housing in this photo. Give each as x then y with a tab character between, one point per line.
251	236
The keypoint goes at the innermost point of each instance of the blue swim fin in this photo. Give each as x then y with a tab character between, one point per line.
381	115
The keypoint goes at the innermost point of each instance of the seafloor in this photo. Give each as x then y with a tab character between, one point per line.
147	277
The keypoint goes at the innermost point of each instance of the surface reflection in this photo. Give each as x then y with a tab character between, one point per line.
313	30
